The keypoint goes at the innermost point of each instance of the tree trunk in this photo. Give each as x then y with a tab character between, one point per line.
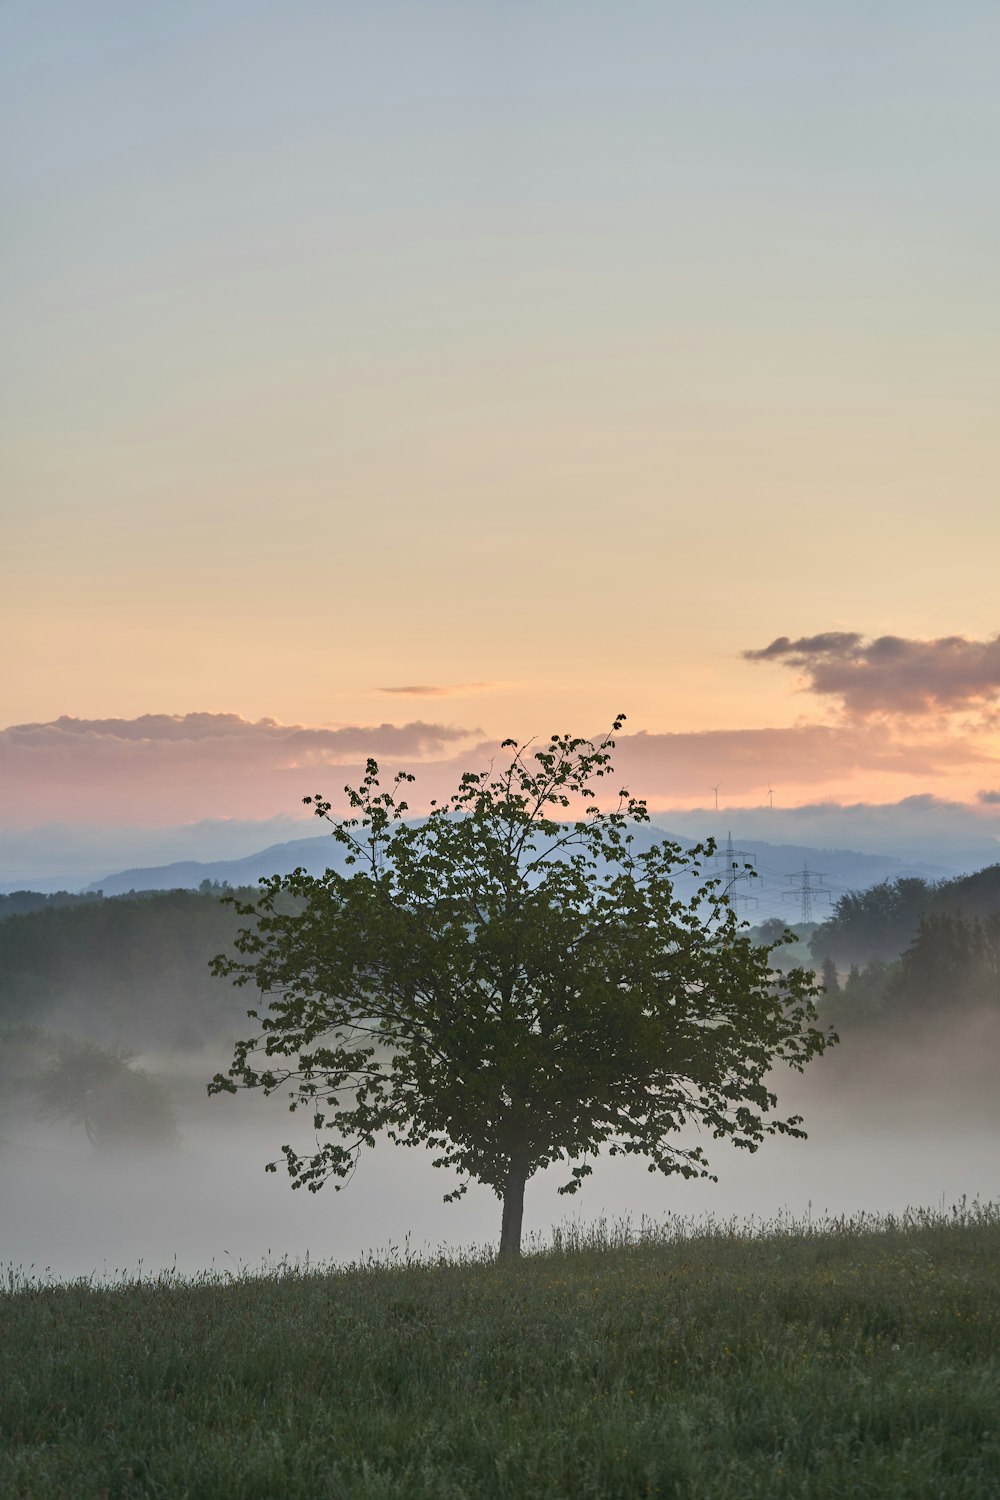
513	1206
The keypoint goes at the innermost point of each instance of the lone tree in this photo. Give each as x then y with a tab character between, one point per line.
512	982
117	1105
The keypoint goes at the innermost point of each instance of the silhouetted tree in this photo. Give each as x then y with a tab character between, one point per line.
991	958
953	961
829	978
876	923
98	1088
863	992
772	930
513	988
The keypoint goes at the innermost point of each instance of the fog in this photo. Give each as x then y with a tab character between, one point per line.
917	1126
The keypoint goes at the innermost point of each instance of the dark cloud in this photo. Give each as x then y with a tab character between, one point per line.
891	674
831	642
990	796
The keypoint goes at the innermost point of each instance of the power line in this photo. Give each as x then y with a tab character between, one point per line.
805	890
739	864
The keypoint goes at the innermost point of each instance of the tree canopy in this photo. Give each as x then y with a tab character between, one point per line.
952	962
873	923
510	982
124	970
881	921
67	1078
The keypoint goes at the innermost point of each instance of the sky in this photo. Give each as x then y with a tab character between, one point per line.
392	379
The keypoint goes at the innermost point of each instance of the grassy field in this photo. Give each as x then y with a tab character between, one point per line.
849	1359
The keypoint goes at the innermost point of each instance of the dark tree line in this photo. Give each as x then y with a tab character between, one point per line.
18	903
134	970
130	971
951	964
879	923
876	923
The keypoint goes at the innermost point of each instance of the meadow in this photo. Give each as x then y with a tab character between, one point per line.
853	1357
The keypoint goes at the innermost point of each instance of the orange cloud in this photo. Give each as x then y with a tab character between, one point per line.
840	763
162	769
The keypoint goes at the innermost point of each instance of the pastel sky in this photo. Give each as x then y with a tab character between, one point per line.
471	369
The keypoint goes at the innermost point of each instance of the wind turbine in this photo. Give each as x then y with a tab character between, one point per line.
715	789
770	796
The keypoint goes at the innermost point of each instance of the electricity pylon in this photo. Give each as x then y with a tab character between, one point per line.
805	890
738	865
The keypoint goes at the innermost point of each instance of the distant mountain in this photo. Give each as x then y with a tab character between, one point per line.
772	893
314	855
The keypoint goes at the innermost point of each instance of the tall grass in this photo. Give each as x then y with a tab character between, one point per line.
850	1357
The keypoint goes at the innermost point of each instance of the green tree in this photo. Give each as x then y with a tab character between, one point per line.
874	923
829	978
947	965
509	982
98	1088
127	969
862	994
991	958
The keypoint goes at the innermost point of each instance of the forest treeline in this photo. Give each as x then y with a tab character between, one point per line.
85	984
881	921
908	949
18	903
133	971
